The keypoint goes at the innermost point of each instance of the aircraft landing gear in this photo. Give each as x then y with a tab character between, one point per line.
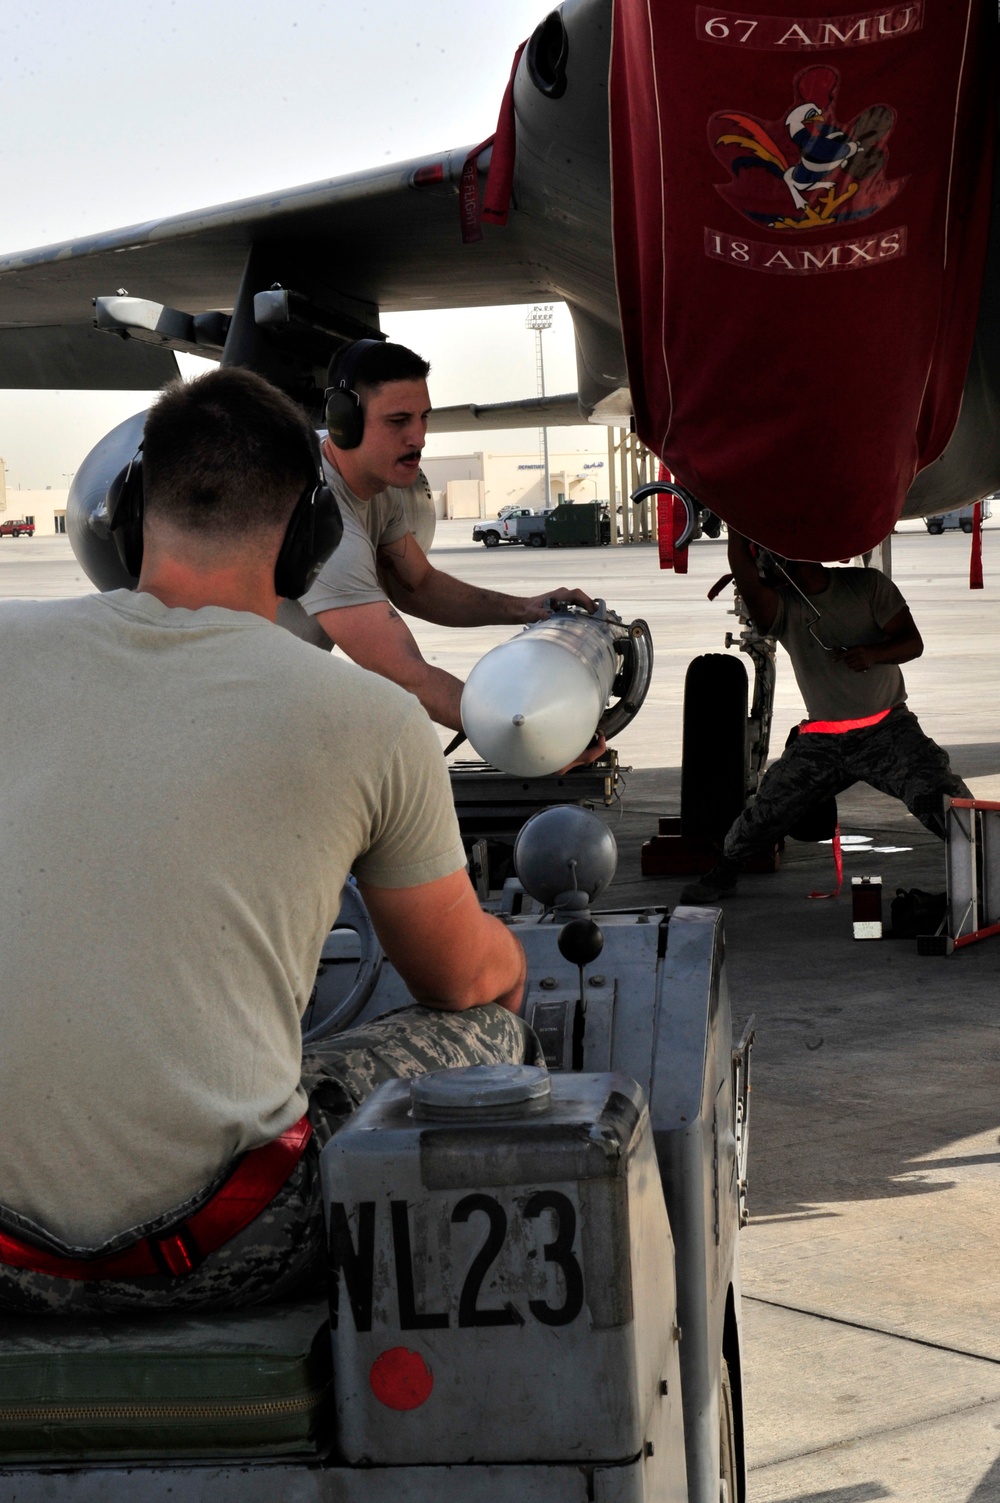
724	755
714	759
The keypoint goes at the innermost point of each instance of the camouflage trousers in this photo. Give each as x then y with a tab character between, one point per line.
894	756
280	1254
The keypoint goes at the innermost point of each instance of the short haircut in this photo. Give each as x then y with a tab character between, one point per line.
381	363
226	455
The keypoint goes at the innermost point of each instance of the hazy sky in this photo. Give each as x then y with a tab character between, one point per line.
119	112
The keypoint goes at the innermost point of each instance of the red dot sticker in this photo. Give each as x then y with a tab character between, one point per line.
401	1379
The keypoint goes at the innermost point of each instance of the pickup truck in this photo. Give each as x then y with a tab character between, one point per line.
513	525
14	529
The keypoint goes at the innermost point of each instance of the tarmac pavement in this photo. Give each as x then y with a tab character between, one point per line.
872	1346
870	1265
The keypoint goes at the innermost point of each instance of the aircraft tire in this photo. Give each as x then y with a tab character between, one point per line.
714	757
728	1468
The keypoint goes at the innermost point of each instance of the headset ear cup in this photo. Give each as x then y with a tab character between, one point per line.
313	532
345	421
125	509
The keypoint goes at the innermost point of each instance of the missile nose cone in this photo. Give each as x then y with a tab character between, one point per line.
530	707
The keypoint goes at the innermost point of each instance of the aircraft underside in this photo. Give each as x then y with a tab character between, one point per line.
808	271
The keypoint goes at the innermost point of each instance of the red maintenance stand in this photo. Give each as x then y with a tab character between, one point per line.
972	858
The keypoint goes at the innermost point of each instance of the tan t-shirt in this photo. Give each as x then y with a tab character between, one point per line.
183	794
853	612
350	574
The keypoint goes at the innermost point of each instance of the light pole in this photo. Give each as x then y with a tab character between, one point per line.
540	318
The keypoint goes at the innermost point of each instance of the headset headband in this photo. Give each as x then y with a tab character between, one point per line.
348	362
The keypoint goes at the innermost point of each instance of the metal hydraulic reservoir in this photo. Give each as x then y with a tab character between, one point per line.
531	705
502	1277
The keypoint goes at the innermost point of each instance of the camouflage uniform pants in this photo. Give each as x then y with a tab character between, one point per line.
894	756
280	1254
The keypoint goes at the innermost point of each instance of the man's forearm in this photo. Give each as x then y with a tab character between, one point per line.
447	601
881	654
903	643
500	979
376	637
902	650
448	952
440	693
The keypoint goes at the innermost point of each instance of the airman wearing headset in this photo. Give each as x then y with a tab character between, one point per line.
186	789
376	413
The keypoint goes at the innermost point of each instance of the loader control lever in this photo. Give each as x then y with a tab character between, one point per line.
580	942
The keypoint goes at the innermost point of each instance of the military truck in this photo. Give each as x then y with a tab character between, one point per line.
962	519
579	524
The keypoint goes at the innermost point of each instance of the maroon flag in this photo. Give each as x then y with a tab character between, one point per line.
801	209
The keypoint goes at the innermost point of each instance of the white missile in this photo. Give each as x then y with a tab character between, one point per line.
533	704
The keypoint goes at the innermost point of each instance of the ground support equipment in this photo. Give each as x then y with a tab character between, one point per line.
492	806
972	862
570	1282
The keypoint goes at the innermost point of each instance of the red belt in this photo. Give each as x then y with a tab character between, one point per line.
179	1249
838	727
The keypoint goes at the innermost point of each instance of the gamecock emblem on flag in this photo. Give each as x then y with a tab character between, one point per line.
806	171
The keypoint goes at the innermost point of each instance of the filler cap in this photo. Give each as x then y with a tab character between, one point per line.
481	1090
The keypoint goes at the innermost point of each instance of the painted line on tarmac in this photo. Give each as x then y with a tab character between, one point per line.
850	1442
859	1325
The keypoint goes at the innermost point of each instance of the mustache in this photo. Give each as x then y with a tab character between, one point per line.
411	454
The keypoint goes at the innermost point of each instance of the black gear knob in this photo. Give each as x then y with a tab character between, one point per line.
580	941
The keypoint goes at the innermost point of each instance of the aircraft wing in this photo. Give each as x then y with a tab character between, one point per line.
76	357
384	239
798	406
532	412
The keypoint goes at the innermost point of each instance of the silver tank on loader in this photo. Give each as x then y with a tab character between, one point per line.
532	705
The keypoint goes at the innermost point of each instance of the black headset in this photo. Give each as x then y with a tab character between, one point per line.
313	532
345	419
